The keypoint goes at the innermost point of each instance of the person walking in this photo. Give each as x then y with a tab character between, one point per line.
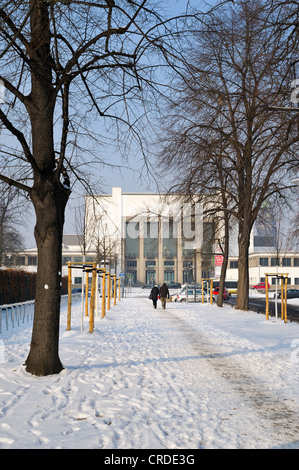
155	295
164	294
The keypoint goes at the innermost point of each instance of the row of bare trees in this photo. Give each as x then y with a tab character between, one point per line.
231	135
77	74
95	234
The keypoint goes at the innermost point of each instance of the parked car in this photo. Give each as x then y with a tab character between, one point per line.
291	294
225	292
182	297
174	285
261	286
76	290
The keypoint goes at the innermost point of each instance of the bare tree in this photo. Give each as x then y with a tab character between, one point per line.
67	66
104	241
214	198
10	235
81	229
233	92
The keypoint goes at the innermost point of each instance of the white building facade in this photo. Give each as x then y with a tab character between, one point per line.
72	251
272	250
148	237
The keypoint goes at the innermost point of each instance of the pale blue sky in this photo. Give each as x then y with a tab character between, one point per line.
138	180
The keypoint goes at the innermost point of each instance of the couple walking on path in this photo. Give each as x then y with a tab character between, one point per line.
162	293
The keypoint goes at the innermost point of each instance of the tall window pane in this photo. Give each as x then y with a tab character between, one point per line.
151	239
132	242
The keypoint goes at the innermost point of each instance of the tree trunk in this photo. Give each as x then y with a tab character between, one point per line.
225	261
48	197
49	202
242	302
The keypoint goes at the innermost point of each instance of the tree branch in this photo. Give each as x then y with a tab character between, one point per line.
14	183
21	138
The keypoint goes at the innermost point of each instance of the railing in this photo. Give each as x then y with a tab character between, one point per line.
12	315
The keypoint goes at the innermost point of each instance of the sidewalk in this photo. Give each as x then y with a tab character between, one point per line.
188	377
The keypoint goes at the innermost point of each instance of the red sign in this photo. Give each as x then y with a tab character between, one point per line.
218	260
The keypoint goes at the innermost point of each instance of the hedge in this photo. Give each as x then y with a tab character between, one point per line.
19	286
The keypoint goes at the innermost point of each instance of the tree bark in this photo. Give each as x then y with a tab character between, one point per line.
242	302
225	260
55	45
49	201
49	198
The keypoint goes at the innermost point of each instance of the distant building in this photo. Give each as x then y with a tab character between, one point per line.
151	237
71	251
270	252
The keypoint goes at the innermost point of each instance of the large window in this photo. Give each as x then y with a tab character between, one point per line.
32	260
169	264
264	262
150	277
208	237
187	272
264	231
150	264
168	276
169	242
132	241
286	261
131	276
151	239
274	261
233	264
131	264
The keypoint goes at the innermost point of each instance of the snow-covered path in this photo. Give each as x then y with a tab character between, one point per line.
188	377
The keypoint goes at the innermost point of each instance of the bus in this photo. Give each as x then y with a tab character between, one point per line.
230	285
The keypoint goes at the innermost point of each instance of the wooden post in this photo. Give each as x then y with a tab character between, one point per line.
285	299
92	298
108	291
104	293
211	291
119	288
86	294
114	292
202	293
281	297
96	295
267	298
82	301
69	297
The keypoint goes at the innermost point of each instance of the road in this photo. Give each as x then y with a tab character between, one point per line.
259	304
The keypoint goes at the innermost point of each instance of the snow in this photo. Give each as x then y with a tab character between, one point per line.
192	376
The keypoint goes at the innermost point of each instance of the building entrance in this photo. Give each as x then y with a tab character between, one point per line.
150	277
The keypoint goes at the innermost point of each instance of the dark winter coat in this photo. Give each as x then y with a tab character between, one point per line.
164	292
154	293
